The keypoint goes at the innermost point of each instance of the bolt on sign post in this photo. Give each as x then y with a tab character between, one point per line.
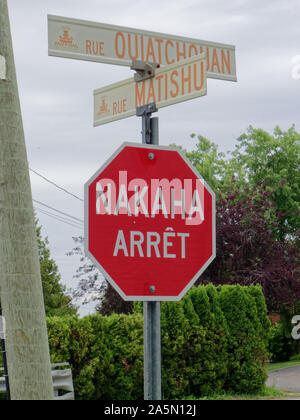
26	340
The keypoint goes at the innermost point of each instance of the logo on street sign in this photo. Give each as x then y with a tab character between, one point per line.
66	41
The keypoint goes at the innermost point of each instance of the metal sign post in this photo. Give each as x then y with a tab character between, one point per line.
152	334
152	351
149	125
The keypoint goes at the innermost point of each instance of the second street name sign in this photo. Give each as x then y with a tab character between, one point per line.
171	84
84	40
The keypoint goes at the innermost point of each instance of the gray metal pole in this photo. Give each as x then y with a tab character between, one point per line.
154	130
152	351
152	334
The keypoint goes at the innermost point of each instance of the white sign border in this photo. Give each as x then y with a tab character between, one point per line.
86	225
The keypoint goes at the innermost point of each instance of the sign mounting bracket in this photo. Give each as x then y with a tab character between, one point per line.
144	70
149	125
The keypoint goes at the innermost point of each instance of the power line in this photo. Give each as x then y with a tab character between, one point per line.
58	211
57	186
60	218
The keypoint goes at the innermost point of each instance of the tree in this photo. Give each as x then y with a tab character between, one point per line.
57	303
210	163
271	161
248	252
275	161
89	287
93	287
112	302
257	189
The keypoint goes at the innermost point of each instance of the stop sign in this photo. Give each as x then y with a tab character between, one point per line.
149	222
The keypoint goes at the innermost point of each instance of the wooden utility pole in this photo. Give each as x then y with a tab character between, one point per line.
21	291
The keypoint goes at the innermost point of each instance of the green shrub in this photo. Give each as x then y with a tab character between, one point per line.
281	346
214	340
70	340
174	333
106	354
206	347
248	339
118	344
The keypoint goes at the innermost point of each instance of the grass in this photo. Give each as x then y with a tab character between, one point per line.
294	361
282	365
267	393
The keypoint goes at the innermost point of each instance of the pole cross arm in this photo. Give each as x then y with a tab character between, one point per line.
144	70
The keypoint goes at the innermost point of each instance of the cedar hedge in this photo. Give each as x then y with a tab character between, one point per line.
214	340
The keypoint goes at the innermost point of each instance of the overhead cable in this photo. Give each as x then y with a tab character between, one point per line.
56	185
58	211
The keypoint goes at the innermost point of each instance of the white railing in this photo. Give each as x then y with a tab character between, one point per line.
62	381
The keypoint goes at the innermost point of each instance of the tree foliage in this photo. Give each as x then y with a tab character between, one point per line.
90	281
275	161
248	252
257	221
92	286
57	303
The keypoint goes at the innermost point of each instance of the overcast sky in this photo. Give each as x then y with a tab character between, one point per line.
57	94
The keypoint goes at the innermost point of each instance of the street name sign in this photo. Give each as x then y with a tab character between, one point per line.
85	40
171	84
149	222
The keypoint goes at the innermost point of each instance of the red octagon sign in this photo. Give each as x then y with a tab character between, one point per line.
149	222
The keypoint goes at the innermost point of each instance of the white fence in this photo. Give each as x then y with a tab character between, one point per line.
62	381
